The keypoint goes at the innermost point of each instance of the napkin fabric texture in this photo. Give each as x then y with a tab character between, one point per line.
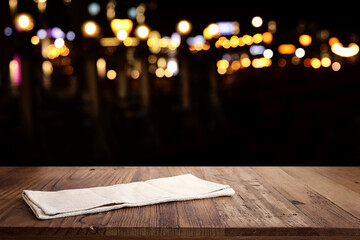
65	203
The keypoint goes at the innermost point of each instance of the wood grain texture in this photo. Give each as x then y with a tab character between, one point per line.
270	203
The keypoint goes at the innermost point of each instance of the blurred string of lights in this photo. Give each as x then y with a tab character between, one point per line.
240	51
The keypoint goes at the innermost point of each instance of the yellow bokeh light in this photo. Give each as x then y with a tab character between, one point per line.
315	63
222	64
241	42
109	42
154	42
121	24
121	35
24	22
258	38
261	62
234	41
325	62
164	42
168	73
47	68
13	4
213	29
160	72
245	62
333	40
184	27
54	52
207	34
221	40
257	21
247	39
64	51
142	31
91	29
111	74
35	40
305	40
226	44
341	51
198	46
101	68
161	62
130	41
221	71
135	74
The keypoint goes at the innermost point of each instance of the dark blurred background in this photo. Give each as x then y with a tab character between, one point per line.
225	92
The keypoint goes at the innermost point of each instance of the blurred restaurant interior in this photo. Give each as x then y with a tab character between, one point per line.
120	82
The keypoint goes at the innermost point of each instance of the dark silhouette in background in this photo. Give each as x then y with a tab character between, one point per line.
277	115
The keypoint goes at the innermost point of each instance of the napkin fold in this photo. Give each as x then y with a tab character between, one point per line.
65	203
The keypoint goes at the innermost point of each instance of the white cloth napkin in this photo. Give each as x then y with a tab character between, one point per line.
56	204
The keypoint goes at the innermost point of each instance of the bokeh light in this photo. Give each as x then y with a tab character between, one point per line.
101	68
94	8
70	36
315	63
300	52
8	31
142	31
326	62
336	66
179	61
111	74
305	40
121	27
349	51
35	40
268	53
287	49
59	43
91	29
184	27
257	21
41	33
24	22
121	35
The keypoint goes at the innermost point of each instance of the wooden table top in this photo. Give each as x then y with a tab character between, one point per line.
270	203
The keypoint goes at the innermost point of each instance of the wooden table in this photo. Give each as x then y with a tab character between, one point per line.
270	203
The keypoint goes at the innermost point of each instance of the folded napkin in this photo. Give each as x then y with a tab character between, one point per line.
56	204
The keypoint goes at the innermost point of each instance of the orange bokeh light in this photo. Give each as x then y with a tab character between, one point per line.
305	40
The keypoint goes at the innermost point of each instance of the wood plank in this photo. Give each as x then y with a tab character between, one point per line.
92	237
270	203
347	176
339	194
300	192
260	204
